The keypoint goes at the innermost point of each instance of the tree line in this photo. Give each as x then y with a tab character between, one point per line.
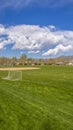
23	60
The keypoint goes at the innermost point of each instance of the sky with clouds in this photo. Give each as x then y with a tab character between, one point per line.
38	28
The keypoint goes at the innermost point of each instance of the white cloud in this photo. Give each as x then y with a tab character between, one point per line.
36	39
4	43
33	52
58	49
2	29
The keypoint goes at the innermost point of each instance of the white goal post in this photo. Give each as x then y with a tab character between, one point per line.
14	75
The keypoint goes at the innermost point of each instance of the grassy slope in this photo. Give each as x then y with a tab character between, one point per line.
43	100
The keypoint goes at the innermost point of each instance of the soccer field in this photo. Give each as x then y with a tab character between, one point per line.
43	100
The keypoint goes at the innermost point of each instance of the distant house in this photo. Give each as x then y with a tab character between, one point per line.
70	63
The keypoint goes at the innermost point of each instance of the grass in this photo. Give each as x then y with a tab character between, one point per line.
43	100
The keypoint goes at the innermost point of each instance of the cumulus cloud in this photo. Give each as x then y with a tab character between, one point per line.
4	43
36	39
2	29
39	3
33	52
58	49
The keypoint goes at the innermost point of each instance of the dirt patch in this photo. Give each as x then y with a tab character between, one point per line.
20	68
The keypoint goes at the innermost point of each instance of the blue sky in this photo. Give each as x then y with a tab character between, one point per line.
38	28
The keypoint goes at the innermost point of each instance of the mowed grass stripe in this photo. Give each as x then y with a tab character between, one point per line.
38	107
43	102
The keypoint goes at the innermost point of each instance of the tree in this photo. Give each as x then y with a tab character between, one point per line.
23	59
14	61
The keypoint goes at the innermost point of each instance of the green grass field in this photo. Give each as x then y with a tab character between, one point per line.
43	100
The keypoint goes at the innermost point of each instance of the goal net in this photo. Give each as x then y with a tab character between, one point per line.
14	75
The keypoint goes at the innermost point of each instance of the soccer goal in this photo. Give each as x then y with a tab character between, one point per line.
14	75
